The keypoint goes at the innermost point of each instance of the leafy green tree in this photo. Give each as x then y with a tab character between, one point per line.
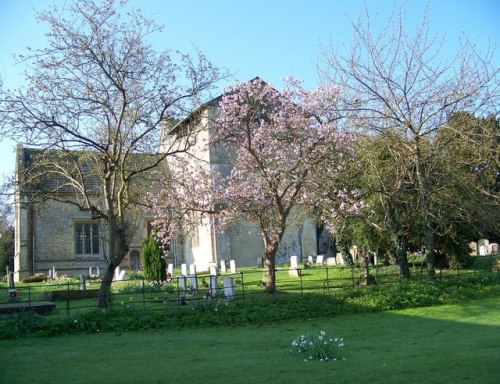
393	82
6	237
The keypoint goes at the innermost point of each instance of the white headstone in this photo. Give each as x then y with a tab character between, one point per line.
223	266
181	282
310	259
93	272
170	271
483	246
293	262
375	259
213	271
192	269
340	258
183	269
212	286
331	261
228	287
193	283
117	273
319	259
232	266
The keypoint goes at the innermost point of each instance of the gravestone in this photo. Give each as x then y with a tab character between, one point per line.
212	286
213	271
319	259
473	248
119	274
483	246
223	266
193	283
293	271
493	249
310	259
184	269
228	287
83	285
232	266
331	261
181	283
94	272
170	271
192	269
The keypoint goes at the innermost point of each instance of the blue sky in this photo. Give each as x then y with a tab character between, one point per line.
266	38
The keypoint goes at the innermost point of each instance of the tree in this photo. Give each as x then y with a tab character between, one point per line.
281	144
96	98
468	152
393	82
152	260
6	237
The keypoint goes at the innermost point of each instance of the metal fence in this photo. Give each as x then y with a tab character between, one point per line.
70	297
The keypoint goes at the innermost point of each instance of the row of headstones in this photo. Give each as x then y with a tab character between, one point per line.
228	285
483	247
320	260
212	268
192	278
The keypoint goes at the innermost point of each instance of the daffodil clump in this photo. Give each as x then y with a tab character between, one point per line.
317	347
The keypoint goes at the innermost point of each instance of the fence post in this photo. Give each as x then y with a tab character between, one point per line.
327	281
352	276
242	285
143	296
67	299
301	285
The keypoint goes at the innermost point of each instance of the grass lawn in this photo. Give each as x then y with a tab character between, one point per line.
445	344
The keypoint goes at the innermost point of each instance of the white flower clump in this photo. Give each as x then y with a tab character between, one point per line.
316	347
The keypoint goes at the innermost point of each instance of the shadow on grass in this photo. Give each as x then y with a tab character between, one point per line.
454	343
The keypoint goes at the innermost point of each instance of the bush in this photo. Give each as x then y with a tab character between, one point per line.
152	261
37	278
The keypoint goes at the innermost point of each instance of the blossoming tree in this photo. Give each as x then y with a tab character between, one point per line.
281	145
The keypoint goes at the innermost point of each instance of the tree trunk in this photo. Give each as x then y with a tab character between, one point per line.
269	280
116	251
401	250
425	195
430	255
105	287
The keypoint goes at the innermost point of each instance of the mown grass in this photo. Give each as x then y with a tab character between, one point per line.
441	344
